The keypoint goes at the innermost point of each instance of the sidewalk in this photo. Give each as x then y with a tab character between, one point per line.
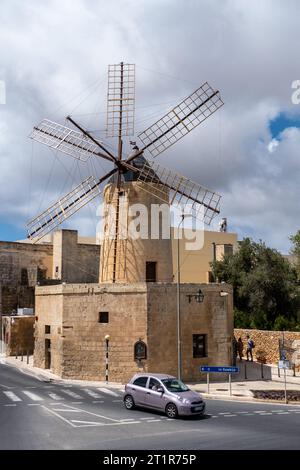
241	388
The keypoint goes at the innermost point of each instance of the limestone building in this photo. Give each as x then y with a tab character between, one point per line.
131	312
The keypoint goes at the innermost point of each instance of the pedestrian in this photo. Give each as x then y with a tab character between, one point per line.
250	346
240	348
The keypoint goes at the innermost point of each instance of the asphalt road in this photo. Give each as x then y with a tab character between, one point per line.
52	415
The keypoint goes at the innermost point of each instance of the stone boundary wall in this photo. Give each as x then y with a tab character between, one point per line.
268	342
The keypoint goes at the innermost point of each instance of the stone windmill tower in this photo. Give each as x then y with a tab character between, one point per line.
138	321
133	179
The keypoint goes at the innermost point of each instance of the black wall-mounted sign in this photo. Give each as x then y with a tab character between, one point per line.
140	351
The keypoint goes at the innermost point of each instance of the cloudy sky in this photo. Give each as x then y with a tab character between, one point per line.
53	62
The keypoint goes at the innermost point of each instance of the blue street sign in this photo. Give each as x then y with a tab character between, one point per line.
226	369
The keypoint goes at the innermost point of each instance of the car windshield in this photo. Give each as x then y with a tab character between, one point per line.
175	385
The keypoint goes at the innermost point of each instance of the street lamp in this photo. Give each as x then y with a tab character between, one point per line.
178	304
106	357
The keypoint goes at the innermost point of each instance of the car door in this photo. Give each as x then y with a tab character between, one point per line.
155	399
139	390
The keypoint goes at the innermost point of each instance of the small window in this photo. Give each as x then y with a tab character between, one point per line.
103	317
47	329
150	271
199	346
141	381
228	250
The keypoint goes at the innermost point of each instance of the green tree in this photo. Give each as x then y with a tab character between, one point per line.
295	239
266	295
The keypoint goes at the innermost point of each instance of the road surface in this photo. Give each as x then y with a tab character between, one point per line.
35	414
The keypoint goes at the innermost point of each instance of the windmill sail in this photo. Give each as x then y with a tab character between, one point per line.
192	198
120	100
181	120
63	138
63	208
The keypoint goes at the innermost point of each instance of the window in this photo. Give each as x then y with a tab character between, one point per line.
141	381
24	277
199	346
228	250
150	271
154	384
47	329
103	317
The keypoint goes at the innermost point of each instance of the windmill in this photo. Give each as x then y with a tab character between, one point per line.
151	177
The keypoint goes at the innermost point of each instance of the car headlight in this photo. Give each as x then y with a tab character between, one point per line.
185	401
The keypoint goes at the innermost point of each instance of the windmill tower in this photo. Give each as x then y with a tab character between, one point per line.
133	179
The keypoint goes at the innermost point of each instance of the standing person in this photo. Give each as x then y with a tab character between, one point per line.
250	346
240	348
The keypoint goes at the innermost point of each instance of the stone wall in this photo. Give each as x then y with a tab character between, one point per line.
74	262
19	263
268	342
18	334
78	350
213	318
22	265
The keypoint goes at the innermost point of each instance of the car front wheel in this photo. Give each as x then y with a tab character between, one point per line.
128	402
171	410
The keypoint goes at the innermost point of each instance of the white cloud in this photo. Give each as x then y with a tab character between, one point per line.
272	145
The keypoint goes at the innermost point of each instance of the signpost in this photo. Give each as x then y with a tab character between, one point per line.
284	365
221	369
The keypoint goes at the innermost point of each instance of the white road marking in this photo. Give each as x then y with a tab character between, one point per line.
12	396
215	416
68	411
226	413
92	393
283	413
54	396
129	419
76	402
241	412
5	386
59	416
71	394
11	404
265	414
153	420
94	423
35	404
95	414
109	392
97	401
32	396
228	416
117	401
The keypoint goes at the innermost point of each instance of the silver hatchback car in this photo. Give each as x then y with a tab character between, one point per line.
162	392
